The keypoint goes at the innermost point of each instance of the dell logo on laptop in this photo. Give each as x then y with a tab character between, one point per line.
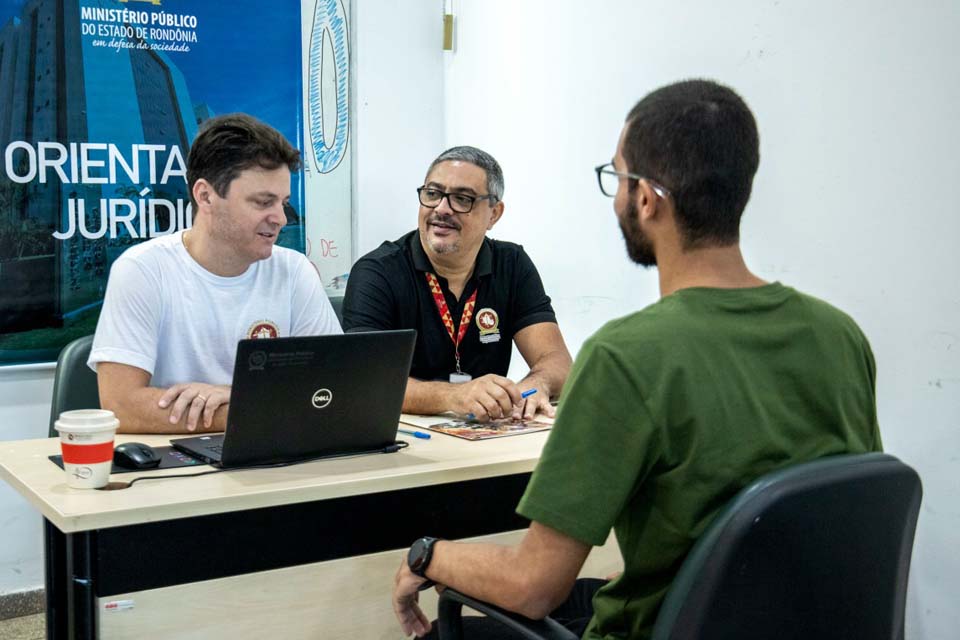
321	398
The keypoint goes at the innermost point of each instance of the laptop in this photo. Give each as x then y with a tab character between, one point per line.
310	397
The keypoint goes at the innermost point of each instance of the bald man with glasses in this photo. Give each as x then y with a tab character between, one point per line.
469	298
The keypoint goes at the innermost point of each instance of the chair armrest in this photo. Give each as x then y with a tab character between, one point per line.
450	622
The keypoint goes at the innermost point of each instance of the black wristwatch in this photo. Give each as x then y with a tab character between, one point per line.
418	559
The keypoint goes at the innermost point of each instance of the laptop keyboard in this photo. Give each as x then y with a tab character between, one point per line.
216	448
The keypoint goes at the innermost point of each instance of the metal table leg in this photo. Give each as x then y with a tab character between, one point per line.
55	579
81	594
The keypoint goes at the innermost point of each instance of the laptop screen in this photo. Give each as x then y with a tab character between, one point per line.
304	397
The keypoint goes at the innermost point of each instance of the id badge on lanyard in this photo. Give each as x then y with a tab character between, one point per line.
458	376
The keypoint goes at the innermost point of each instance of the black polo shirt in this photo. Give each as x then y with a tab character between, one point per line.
388	289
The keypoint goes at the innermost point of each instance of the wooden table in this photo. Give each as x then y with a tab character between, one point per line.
307	550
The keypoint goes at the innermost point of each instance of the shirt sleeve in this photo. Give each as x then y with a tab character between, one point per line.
871	365
368	303
128	329
603	445
531	304
311	311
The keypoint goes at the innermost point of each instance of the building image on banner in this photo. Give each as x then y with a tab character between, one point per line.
90	131
101	100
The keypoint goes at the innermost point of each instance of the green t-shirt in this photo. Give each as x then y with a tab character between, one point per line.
670	411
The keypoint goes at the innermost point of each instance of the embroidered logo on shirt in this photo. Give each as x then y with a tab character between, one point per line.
263	329
489	324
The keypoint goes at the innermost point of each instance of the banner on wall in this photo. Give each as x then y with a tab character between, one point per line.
100	101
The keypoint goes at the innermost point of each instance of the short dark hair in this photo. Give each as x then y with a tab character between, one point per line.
229	144
480	158
698	139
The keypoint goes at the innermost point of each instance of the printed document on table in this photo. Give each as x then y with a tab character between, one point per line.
453	425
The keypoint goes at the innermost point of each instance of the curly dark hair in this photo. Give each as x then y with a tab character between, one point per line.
698	139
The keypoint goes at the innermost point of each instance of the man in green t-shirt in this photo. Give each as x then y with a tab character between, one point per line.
668	412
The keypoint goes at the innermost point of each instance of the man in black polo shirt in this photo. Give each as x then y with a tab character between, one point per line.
468	297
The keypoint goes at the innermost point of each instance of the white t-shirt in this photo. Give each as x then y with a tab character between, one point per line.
167	315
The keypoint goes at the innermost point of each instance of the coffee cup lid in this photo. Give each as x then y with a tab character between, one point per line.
86	420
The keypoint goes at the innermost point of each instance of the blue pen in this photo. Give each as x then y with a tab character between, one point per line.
415	434
528	393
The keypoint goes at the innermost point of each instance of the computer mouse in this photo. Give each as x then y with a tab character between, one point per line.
136	455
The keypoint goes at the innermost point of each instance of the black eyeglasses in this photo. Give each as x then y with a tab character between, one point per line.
609	179
459	202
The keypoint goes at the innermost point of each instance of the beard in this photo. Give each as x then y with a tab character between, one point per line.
639	247
442	247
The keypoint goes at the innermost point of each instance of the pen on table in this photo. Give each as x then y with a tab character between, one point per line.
415	434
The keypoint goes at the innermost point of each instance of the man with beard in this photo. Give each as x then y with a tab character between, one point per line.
671	410
176	305
469	298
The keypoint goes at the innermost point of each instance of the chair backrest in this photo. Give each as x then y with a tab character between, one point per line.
817	550
337	303
74	383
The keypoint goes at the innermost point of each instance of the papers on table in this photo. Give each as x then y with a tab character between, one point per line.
454	425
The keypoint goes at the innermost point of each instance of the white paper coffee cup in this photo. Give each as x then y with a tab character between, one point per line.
86	441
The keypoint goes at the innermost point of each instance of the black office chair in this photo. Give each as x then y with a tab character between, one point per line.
818	550
337	303
74	383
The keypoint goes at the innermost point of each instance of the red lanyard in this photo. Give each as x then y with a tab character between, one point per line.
444	310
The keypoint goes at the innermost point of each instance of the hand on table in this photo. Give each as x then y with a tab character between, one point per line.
196	400
486	398
530	406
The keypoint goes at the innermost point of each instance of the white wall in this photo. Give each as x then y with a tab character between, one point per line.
399	113
855	200
24	413
398	98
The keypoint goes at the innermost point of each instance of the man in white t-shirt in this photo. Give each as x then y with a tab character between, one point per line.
176	305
